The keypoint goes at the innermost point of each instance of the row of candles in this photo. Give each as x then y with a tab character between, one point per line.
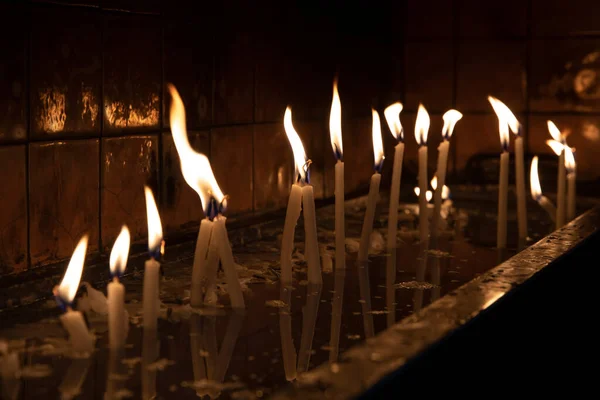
213	245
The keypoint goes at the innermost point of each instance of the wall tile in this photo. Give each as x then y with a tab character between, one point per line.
428	18
231	160
497	19
189	58
429	74
273	167
63	198
491	68
13	122
583	135
564	75
181	205
129	163
564	18
67	73
132	73
13	219
315	136
275	80
234	79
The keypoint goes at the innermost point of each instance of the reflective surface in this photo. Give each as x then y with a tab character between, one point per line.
283	333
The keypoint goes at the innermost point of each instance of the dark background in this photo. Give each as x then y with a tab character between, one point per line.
83	126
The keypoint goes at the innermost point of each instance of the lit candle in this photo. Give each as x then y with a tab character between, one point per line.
335	133
303	187
561	185
451	117
392	116
428	194
82	341
571	183
226	256
536	190
152	266
421	131
502	112
367	228
117	329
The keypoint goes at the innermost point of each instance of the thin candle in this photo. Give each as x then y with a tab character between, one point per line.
304	189
561	204
79	336
536	190
421	131
367	228
392	116
335	133
571	183
503	115
152	265
117	328
451	117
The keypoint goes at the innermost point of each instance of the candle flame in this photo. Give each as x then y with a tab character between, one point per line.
555	132
422	126
451	117
195	166
120	252
534	180
392	116
506	121
297	147
428	194
70	282
335	123
377	141
445	189
569	160
154	226
557	147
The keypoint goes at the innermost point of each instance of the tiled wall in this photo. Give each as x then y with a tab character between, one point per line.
83	123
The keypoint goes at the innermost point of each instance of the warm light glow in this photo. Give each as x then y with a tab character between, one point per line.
569	160
195	166
445	189
428	194
434	182
120	253
392	116
534	180
556	147
555	132
297	147
506	121
377	141
154	225
70	282
422	126
451	117
335	123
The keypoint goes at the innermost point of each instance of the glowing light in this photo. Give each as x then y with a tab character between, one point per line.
335	124
451	117
534	180
120	252
555	132
377	142
428	194
70	283
506	121
422	126
392	116
155	233
569	160
297	147
557	147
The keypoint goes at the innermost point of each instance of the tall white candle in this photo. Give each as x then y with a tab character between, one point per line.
451	117
571	183
520	182
561	189
364	288
117	329
199	271
421	131
335	134
536	190
309	321
502	201
150	352
310	230
81	340
392	116
367	228
150	296
390	289
294	208
233	284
